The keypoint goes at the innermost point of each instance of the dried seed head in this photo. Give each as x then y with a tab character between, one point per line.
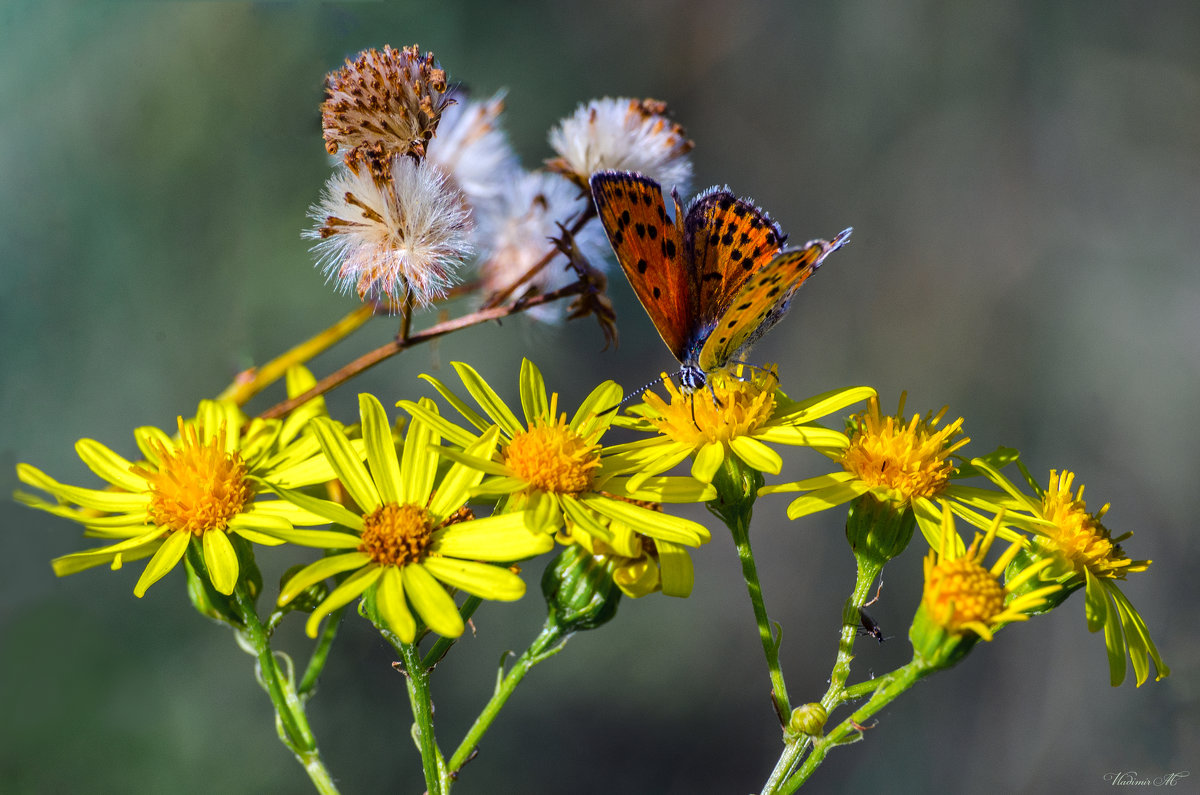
383	104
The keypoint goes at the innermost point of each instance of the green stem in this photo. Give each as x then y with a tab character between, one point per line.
437	780
837	692
316	663
737	489
888	688
443	644
550	641
293	726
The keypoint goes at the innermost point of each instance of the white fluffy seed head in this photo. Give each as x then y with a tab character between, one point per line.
625	135
472	150
517	233
383	237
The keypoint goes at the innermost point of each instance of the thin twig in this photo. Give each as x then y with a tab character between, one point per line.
395	346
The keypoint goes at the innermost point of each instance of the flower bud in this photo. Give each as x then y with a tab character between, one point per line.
579	590
808	719
878	530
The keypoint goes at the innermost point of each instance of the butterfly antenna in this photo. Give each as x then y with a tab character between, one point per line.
635	393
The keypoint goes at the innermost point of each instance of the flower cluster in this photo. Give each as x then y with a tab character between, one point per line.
421	516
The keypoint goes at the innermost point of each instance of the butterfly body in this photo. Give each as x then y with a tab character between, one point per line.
713	278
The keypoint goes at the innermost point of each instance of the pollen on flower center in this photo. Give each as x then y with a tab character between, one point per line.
912	460
198	486
1077	535
959	592
396	534
553	457
740	408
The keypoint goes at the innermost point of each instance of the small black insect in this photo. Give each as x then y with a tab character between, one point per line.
869	628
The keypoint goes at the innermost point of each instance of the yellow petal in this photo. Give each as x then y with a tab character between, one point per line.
418	467
432	603
503	537
347	464
829	497
652	523
487	399
756	454
676	569
110	466
392	605
481	579
381	449
350	589
454	489
708	461
320	570
164	560
533	393
221	560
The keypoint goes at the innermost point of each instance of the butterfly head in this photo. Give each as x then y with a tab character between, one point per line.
692	378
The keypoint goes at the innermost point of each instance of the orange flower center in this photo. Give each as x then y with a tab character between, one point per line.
741	407
960	592
553	458
198	486
396	535
1078	536
911	460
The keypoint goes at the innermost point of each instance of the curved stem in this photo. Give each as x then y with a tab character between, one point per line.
293	725
316	663
395	346
550	641
252	381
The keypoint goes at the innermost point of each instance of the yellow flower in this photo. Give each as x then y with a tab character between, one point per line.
964	600
197	488
1081	552
411	536
741	416
557	467
906	464
961	595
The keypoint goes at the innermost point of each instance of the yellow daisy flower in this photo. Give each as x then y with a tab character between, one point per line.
412	535
907	464
196	488
744	413
1081	552
557	467
963	600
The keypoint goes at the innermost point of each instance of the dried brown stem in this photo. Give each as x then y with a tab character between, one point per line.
383	352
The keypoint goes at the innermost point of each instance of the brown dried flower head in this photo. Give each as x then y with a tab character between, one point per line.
383	104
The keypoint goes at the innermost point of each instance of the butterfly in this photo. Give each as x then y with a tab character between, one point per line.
714	278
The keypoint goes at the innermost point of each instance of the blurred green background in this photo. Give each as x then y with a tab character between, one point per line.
1024	183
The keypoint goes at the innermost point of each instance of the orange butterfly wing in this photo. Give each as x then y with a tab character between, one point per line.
762	301
649	245
730	240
